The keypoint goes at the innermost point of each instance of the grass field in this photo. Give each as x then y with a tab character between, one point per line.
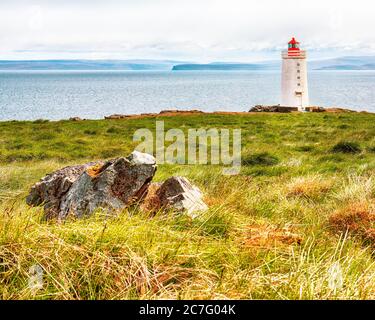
296	223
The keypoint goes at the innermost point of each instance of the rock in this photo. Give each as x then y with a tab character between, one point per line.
151	202
50	190
178	194
277	108
112	185
315	109
117	116
339	110
180	111
115	185
75	119
175	194
148	114
79	190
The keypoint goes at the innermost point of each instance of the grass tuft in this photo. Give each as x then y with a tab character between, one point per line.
309	186
347	147
357	219
262	159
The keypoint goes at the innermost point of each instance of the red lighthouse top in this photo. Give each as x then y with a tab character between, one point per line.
293	45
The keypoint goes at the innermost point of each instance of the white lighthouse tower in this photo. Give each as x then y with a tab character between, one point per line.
294	90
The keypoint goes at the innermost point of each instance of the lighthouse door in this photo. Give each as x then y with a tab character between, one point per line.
299	98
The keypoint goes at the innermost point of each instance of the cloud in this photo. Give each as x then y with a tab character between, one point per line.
194	30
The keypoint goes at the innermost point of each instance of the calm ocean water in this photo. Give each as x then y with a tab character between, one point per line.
30	95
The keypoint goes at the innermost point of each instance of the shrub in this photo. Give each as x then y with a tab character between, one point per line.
346	147
263	159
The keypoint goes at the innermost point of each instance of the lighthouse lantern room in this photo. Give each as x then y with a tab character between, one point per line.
294	89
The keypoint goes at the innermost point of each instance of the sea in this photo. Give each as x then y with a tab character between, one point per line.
55	95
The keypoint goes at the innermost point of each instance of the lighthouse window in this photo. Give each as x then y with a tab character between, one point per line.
298	77
298	64
298	84
298	71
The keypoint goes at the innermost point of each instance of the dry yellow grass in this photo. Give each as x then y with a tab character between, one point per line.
309	186
357	219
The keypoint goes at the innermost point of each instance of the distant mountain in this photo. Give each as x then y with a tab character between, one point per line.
345	63
349	67
221	66
226	66
342	63
88	64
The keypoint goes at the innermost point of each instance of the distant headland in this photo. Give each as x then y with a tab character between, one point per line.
341	63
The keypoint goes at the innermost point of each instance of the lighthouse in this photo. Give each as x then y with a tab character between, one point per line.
294	90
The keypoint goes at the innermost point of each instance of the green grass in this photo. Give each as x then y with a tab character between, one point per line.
291	182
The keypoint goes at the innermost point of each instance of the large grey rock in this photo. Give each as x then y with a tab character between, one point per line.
50	190
79	190
178	194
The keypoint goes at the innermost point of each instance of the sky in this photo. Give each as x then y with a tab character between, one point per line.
190	30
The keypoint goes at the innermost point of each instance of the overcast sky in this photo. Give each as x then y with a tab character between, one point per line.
193	30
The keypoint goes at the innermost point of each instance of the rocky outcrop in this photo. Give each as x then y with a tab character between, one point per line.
257	108
277	108
117	116
54	186
175	194
315	109
283	109
180	111
179	194
339	110
79	190
168	113
113	185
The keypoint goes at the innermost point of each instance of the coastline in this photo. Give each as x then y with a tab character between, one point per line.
256	110
261	109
